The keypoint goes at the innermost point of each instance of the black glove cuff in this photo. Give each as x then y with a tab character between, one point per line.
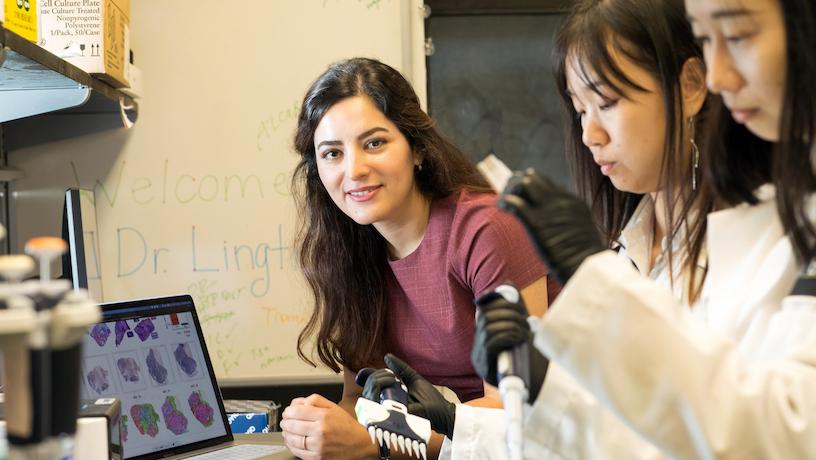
539	364
452	422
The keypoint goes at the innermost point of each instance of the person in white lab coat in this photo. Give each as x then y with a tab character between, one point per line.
634	92
632	82
736	376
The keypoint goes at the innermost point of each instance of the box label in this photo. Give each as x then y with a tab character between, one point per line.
71	28
115	51
87	33
21	18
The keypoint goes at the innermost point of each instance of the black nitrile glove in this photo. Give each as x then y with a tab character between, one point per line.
502	326
559	223
424	399
373	381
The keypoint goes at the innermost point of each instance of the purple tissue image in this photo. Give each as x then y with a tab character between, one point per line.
201	410
144	329
146	419
100	334
121	327
155	367
173	418
184	358
98	379
129	369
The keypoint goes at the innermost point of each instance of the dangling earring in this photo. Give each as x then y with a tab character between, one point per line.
695	154
419	167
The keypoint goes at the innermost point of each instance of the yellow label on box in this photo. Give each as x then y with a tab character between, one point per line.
21	18
115	52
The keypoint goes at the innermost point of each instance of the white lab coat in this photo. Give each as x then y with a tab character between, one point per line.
733	378
568	419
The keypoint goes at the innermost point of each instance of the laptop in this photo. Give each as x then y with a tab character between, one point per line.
151	355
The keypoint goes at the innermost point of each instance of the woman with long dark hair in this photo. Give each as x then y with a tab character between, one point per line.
632	83
399	234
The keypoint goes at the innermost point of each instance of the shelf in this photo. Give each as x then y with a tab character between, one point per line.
10	174
34	81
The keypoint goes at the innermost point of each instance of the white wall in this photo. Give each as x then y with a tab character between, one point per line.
195	198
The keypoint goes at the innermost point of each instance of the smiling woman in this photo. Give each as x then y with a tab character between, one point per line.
367	166
399	235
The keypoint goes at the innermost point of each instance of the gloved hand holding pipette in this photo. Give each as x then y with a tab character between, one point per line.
559	223
502	355
424	399
502	326
384	409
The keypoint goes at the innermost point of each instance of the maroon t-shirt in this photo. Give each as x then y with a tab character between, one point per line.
469	247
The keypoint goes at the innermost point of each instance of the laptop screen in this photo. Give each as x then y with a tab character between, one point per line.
151	355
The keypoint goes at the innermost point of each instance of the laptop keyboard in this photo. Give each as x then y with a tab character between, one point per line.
241	452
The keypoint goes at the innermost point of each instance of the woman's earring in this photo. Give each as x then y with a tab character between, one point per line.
419	167
695	155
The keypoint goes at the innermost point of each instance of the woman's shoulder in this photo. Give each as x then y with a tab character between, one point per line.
473	212
475	215
468	204
464	207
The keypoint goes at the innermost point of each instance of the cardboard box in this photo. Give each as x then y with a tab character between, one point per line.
99	430
134	77
93	35
248	416
248	423
21	18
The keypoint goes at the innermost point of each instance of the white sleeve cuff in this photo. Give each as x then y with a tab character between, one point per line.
478	434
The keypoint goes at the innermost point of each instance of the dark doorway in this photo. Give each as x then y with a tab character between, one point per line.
490	86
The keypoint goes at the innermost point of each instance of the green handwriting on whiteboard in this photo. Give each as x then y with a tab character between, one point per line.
207	295
271	124
173	186
263	358
217	317
220	345
135	254
228	358
208	301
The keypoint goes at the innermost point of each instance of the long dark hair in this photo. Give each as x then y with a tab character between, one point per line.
792	162
737	161
654	35
346	264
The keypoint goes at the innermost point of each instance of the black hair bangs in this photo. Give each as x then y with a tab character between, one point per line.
593	51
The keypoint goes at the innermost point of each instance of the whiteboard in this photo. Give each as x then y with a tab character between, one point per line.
195	197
